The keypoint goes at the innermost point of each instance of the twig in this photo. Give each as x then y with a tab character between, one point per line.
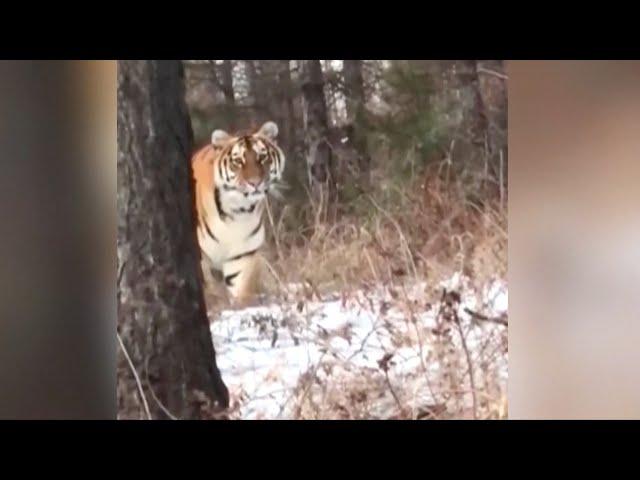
364	342
373	270
137	378
275	275
419	338
472	383
456	320
153	393
120	272
395	397
484	318
493	72
308	386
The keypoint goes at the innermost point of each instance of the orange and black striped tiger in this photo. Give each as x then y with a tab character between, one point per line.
233	175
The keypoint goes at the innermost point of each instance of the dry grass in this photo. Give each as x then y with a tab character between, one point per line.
428	229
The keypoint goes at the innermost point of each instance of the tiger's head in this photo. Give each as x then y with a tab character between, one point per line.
250	163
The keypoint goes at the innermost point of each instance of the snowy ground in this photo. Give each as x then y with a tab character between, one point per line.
376	352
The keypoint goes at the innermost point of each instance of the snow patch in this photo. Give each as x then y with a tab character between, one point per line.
265	352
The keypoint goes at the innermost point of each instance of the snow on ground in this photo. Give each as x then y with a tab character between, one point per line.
267	354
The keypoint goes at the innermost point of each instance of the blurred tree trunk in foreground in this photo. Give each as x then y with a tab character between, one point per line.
162	319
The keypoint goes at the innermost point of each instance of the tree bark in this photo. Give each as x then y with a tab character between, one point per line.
354	88
261	93
355	102
252	77
226	70
318	149
224	75
285	101
162	319
479	114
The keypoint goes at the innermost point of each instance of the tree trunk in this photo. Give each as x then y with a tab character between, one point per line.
162	319
318	149
355	102
285	100
354	88
224	74
479	114
226	70
262	92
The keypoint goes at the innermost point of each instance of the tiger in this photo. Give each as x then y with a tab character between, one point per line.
233	176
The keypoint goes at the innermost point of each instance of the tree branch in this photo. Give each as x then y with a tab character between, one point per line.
478	316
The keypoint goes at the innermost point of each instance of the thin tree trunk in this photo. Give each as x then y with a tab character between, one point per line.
224	74
252	77
355	102
480	124
354	88
226	70
162	319
318	149
285	100
256	95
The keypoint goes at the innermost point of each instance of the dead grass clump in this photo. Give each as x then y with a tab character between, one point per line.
428	229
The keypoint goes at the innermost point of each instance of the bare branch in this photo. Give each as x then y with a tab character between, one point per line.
479	316
492	72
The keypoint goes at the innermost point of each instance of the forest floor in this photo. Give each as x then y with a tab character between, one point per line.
375	353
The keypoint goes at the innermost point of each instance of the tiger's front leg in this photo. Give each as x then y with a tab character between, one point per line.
240	277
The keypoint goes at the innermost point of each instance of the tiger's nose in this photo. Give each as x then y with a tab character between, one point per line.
254	182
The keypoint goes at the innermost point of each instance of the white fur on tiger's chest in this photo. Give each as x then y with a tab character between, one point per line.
235	232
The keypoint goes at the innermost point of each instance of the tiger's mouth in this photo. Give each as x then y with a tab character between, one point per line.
254	188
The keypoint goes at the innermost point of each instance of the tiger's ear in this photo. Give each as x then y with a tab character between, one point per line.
219	138
269	130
